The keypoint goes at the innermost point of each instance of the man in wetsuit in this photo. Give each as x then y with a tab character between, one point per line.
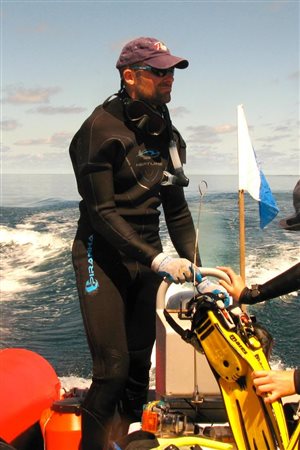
124	173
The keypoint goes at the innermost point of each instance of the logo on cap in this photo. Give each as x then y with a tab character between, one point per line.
160	46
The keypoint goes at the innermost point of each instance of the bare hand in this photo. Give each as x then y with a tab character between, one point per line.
276	383
237	283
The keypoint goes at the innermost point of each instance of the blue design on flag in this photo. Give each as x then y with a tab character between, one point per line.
268	209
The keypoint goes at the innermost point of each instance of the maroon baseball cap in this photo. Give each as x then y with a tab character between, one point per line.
151	51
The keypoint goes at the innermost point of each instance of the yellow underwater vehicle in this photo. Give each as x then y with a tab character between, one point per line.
226	345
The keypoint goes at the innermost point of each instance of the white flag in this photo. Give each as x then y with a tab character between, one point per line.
251	178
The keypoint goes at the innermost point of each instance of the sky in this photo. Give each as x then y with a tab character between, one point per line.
58	63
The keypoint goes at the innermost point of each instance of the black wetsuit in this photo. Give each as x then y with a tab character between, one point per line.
119	170
286	282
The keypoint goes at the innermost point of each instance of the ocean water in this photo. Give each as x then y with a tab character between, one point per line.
39	306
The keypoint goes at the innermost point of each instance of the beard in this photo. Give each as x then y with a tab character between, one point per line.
158	99
162	98
160	95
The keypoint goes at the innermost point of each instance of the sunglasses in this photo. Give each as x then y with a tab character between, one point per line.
144	117
157	72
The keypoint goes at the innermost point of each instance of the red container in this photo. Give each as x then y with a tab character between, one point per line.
61	425
28	385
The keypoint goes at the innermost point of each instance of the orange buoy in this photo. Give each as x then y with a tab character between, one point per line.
28	385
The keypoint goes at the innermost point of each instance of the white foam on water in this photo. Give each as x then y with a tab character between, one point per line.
68	383
23	251
264	264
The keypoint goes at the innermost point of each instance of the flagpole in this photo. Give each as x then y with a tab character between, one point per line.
241	197
242	234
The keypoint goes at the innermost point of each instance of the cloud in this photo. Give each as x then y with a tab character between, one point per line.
32	142
281	128
61	140
295	75
19	95
39	28
52	110
208	134
286	131
274	161
273	138
38	162
179	111
225	129
202	151
4	148
276	6
209	159
9	125
57	140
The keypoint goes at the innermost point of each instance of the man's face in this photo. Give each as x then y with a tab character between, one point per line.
150	87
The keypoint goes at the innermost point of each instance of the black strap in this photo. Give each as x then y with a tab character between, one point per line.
187	335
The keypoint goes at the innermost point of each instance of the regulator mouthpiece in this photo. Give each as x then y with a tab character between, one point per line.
176	179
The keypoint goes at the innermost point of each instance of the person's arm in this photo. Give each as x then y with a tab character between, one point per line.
275	383
286	282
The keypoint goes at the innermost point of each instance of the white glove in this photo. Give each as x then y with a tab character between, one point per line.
207	286
178	270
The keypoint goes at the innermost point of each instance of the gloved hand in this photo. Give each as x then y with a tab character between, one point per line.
178	270
206	286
